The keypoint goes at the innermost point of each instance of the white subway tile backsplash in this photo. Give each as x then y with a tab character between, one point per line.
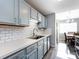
8	33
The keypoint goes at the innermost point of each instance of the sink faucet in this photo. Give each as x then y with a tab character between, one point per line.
34	34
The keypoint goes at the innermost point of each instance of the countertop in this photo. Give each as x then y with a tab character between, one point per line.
13	46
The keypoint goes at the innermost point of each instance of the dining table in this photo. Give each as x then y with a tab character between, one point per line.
70	37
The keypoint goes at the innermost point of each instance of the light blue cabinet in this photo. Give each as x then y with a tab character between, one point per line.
46	23
24	12
18	12
45	45
32	55
14	12
40	49
33	13
39	16
7	12
43	21
48	42
32	51
18	55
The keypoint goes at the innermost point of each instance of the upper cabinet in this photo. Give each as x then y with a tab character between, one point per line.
33	14
14	12
7	11
18	12
24	13
39	16
43	21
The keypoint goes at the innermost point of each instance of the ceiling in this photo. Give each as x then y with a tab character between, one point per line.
51	6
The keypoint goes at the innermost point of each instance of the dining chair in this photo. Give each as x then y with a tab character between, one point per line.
67	38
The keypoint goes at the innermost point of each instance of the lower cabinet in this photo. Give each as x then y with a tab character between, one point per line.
32	55
34	51
48	42
45	45
40	49
31	51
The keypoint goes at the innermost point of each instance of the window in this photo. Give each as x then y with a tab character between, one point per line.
67	27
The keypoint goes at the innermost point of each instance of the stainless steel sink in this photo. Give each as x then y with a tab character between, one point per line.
36	37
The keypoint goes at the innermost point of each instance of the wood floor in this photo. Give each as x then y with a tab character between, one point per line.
50	54
60	52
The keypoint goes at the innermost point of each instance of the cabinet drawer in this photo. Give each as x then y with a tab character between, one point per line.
31	48
18	55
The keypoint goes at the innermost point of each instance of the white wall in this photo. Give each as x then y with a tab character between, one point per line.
8	33
51	25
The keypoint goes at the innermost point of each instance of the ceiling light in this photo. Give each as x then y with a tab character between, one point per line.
59	0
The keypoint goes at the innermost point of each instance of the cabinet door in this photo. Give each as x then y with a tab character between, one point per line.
7	11
39	17
41	25
24	13
33	13
40	50
18	55
48	41
32	55
43	22
45	45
